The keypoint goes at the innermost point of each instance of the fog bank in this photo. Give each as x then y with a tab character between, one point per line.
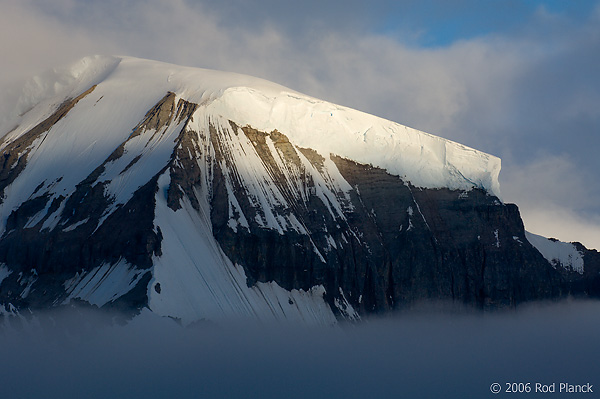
413	355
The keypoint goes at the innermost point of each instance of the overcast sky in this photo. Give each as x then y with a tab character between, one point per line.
517	79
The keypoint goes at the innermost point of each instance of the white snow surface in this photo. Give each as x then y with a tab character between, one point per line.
421	158
557	253
127	87
194	279
197	281
104	284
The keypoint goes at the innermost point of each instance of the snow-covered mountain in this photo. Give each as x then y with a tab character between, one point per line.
199	194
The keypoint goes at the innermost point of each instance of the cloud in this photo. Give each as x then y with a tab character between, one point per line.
551	179
528	89
552	220
555	198
428	353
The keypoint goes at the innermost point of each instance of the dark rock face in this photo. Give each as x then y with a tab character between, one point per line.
443	244
589	284
49	257
394	244
14	153
377	243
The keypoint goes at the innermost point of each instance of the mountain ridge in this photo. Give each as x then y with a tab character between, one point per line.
233	197
303	118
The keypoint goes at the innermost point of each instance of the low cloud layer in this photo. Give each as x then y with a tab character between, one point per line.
527	91
450	354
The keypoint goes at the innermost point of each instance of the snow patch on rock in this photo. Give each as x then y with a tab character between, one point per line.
103	284
557	253
4	272
198	282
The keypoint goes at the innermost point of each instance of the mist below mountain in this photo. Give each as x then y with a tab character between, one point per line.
435	351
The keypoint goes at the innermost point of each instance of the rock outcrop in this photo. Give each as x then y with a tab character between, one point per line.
299	227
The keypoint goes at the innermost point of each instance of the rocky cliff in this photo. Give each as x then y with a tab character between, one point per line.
203	195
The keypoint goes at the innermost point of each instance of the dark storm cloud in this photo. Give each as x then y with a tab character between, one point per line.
415	354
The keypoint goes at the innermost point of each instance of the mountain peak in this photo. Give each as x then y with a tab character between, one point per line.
204	195
420	158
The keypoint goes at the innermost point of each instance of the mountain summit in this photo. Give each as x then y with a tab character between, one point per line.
200	194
